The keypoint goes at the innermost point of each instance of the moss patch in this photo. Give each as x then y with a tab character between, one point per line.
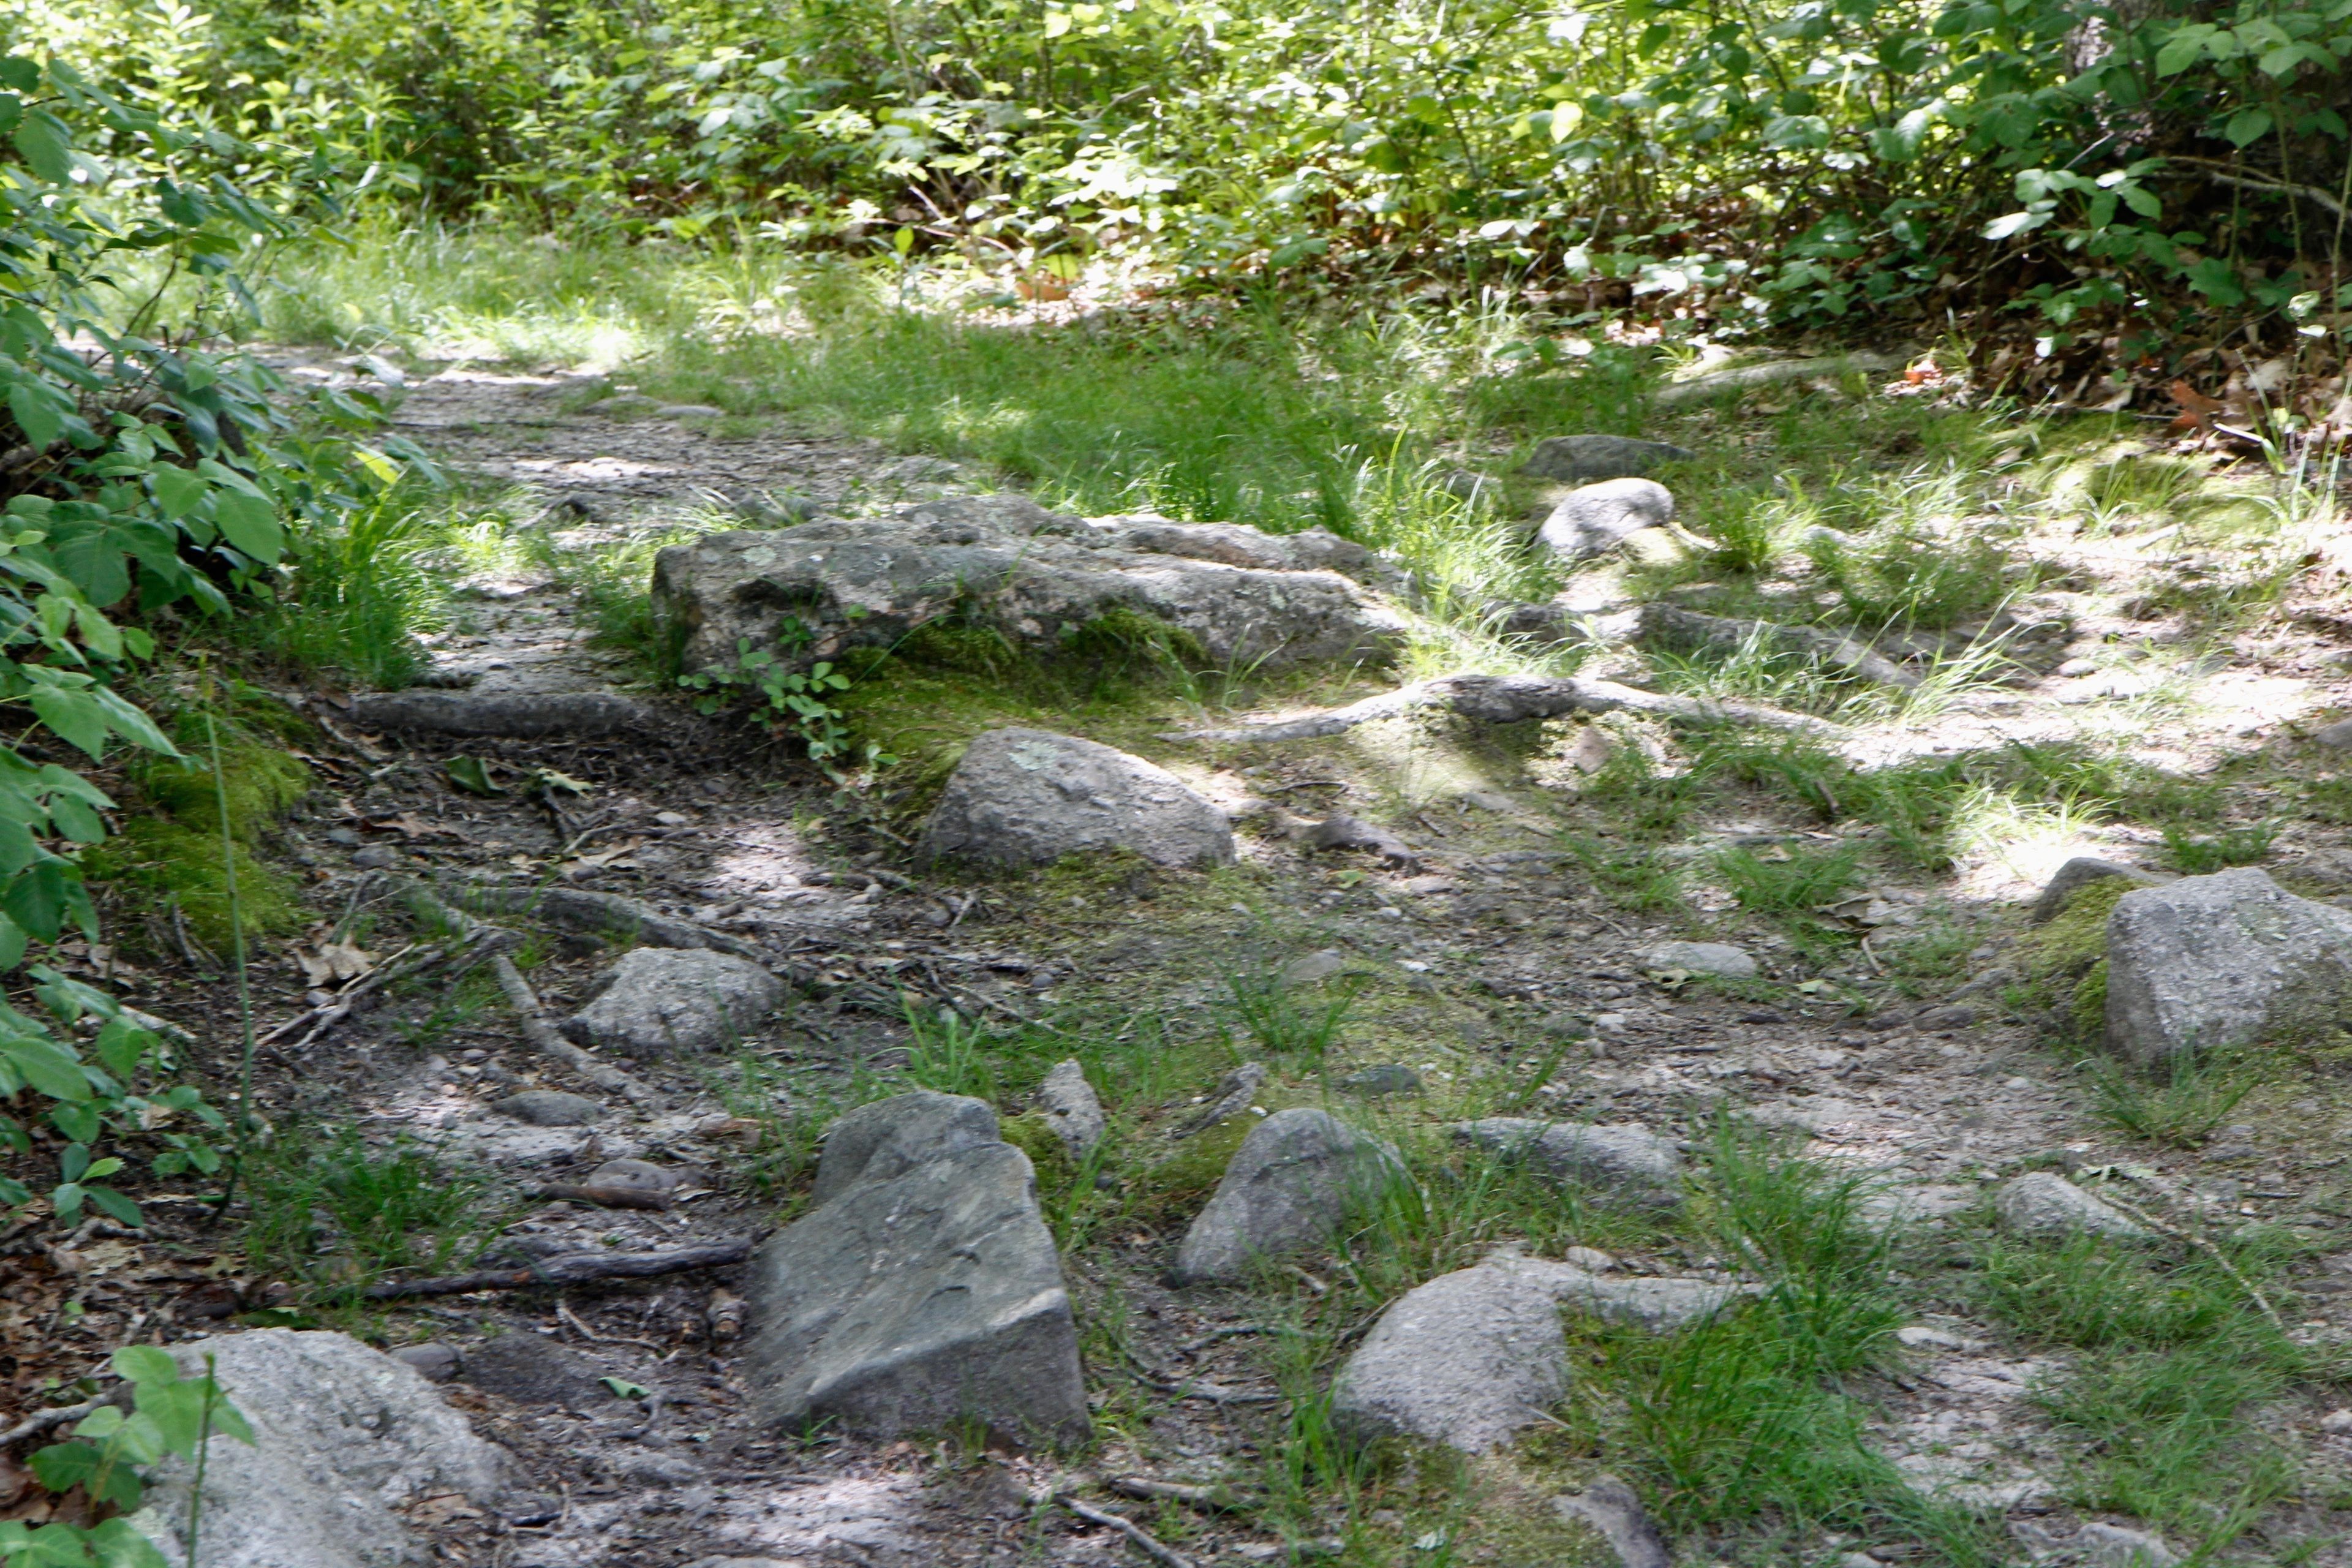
260	785
173	861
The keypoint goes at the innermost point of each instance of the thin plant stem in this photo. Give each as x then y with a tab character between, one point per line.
244	990
204	1451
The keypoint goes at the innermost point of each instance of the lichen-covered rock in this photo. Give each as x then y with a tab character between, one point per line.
1294	1181
343	1436
1592	519
1038	577
1027	797
2075	875
1627	1161
2210	963
2044	1203
658	1000
921	1292
1582	459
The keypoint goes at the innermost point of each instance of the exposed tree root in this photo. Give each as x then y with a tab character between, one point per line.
1509	700
569	1269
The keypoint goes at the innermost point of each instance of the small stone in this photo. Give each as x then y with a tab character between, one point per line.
1923	1337
1027	797
1613	1509
344	838
548	1108
531	1369
1293	1180
1314	968
376	858
1388	1078
2073	877
2044	1203
1609	1023
634	1175
1564	1027
434	1361
2337	736
1072	1109
2113	1546
2337	1421
1590	521
1702	958
1628	1160
1947	1018
656	1001
688	410
1592	1259
654	1468
1581	459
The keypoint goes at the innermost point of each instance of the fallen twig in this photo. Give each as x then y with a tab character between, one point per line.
605	1197
2176	1233
548	1043
1220	1499
1510	699
569	1269
41	1421
1145	1542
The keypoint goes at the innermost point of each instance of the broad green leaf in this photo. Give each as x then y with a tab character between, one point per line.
20	73
117	1544
145	1364
41	421
75	715
117	1206
178	491
2248	126
36	898
48	1067
250	525
41	140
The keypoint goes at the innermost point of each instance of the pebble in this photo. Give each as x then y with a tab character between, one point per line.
434	1361
1609	1023
376	858
1388	1078
2337	1421
550	1108
689	411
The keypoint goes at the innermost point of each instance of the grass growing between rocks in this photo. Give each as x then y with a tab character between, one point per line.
332	1212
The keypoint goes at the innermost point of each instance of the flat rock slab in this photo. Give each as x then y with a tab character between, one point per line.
1703	958
1627	1161
1592	520
1039	578
1295	1179
1581	459
2207	963
882	1141
548	1108
660	1000
531	1369
1471	1357
343	1436
523	714
1027	797
918	1295
2044	1203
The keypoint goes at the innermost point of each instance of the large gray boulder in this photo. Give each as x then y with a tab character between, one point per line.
1470	1357
1027	797
2209	962
343	1436
885	1140
1582	459
1627	1161
658	1000
1592	520
1295	1179
1038	578
918	1295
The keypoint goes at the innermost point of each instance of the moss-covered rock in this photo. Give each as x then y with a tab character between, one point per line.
259	784
176	863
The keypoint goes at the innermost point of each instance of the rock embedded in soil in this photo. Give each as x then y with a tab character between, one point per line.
1071	1108
2044	1203
527	715
1592	520
343	1437
548	1108
1042	580
2113	1546
2337	736
2075	875
1627	1161
1582	459
636	1176
1383	1078
1616	1514
1295	1180
1471	1357
923	1291
434	1361
531	1369
1702	958
660	1000
2208	964
1028	797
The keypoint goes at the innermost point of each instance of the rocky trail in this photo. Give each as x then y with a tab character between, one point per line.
719	944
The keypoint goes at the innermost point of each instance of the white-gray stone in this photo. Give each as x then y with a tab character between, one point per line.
1702	958
660	1000
2075	875
1613	1509
1036	577
1295	1179
1472	1356
2113	1546
2210	963
921	1292
343	1436
1592	519
548	1108
1627	1161
1027	797
1581	459
1071	1108
2045	1203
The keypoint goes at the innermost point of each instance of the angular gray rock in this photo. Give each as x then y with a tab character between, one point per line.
343	1436
1027	797
434	1361
2113	1546
1233	1094
1702	958
1295	1180
658	1000
1071	1108
1038	577
2044	1203
1382	1079
1613	1509
1628	1161
531	1369
2207	963
1471	1357
2075	875
1594	519
885	1140
1581	459
2336	736
636	1176
548	1108
922	1290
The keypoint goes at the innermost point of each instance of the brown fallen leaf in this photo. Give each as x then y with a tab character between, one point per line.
2196	410
335	965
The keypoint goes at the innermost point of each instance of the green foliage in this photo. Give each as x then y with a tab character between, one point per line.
170	1414
2195	1097
333	1212
786	701
1270	1012
1804	880
2195	856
